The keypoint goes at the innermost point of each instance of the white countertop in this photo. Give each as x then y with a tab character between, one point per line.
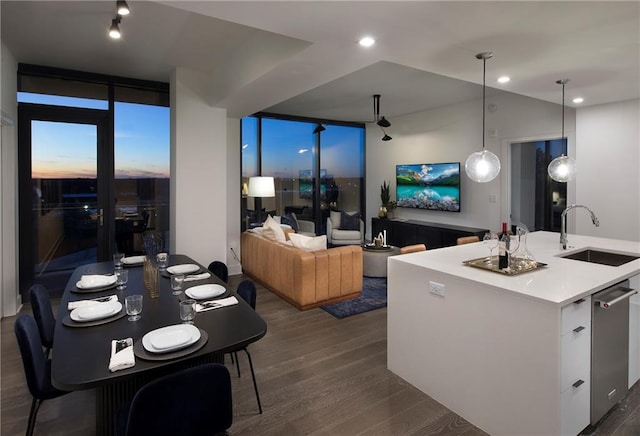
560	282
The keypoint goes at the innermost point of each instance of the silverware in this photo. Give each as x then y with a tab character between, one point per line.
210	304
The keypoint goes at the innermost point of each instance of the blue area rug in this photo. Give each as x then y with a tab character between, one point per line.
374	296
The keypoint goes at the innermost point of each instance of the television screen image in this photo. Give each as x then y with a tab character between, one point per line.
306	184
429	186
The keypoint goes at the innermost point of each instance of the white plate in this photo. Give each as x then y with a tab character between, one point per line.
185	268
94	312
209	290
170	338
133	260
95	281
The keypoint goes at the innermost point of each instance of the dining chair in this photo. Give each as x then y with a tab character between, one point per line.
219	269
191	402
37	368
247	291
43	314
467	240
413	248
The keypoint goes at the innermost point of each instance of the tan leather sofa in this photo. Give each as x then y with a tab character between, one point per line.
304	279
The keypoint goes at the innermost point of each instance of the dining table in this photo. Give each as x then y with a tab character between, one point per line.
81	351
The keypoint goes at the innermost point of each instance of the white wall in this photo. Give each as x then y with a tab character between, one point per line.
10	298
608	163
234	173
451	134
198	171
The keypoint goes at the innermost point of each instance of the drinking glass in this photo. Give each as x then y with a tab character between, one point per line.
177	281
117	260
133	304
490	240
163	261
122	277
188	311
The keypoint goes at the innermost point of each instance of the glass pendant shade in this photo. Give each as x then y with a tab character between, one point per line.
482	166
562	169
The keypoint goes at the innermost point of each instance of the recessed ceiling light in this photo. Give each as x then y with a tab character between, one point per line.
578	100
367	41
302	150
504	79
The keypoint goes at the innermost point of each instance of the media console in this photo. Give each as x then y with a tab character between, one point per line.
433	235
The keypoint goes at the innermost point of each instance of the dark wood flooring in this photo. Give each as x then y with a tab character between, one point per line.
316	374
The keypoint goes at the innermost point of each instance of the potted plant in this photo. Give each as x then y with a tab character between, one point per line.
385	198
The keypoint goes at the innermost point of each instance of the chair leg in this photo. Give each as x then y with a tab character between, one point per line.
253	375
31	423
237	363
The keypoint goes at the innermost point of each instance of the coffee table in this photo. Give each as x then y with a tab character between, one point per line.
374	259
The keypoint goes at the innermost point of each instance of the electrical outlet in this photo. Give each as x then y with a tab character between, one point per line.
436	288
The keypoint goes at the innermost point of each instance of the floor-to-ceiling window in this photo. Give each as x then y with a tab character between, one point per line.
93	169
318	166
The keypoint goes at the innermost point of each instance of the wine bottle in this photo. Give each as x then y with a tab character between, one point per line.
503	247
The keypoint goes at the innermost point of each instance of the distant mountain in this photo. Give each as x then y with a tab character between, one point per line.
410	177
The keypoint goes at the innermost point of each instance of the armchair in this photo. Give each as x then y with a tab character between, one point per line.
338	236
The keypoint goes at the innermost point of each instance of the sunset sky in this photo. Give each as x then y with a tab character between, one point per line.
63	150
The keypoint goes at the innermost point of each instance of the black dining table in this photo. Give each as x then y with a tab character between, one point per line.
80	355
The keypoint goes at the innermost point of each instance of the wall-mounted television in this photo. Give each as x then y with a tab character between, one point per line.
431	186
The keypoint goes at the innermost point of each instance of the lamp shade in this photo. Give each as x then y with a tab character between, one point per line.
261	187
482	166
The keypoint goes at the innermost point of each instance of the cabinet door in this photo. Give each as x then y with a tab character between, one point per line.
403	234
428	236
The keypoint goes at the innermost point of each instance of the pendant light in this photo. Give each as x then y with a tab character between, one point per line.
563	168
483	166
382	122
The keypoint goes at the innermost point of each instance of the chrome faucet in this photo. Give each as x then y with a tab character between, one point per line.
563	223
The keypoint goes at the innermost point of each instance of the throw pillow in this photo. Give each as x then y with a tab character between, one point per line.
335	219
289	220
349	222
273	230
308	243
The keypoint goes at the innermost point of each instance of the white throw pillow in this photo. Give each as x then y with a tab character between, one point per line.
335	219
272	229
308	243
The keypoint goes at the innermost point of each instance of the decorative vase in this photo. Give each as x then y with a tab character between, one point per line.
382	213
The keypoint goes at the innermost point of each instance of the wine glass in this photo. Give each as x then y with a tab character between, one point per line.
490	240
133	304
122	277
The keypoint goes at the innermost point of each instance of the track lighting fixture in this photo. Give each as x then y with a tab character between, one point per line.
319	128
114	30
380	121
122	8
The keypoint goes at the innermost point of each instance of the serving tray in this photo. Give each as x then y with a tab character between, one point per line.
489	264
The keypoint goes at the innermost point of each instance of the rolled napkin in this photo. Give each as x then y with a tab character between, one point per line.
122	356
194	277
216	304
96	280
80	303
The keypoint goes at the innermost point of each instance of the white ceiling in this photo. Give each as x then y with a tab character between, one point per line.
302	57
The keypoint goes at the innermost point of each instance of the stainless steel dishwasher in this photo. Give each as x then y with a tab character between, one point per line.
609	348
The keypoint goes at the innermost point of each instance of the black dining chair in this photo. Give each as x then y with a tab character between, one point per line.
247	291
191	402
43	313
37	368
220	270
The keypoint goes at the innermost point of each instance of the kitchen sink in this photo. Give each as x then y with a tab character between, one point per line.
602	257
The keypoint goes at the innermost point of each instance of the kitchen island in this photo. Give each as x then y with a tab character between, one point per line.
501	351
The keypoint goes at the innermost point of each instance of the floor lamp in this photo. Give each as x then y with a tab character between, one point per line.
260	187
